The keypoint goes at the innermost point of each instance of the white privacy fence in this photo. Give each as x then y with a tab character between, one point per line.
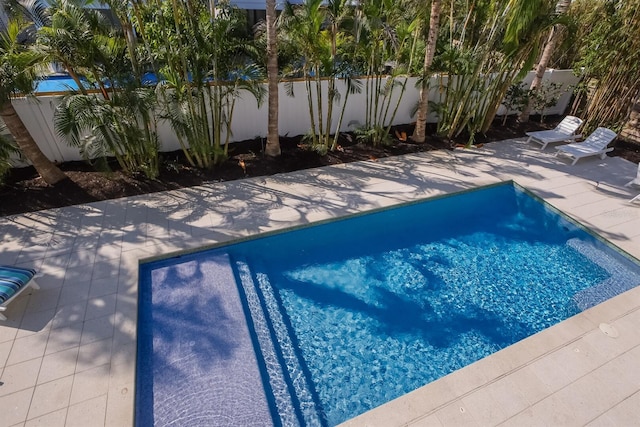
250	121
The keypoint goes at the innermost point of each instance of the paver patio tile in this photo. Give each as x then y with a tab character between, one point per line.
58	365
19	376
95	354
64	338
97	329
87	413
52	419
626	412
90	384
51	396
456	414
102	287
27	348
15	406
35	322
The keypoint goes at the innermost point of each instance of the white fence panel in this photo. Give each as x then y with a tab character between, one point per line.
37	115
250	121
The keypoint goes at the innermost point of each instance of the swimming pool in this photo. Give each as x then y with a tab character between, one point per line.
64	83
347	315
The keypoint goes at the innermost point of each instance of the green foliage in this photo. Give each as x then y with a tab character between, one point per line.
101	127
17	63
304	30
8	149
203	58
609	54
376	135
491	45
119	122
382	37
206	61
79	39
516	98
545	96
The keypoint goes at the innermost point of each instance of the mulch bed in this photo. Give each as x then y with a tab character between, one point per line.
24	190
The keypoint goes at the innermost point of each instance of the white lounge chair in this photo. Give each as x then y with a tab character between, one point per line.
564	132
636	182
594	145
13	281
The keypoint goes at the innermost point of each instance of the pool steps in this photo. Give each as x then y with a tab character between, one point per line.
621	280
204	370
293	394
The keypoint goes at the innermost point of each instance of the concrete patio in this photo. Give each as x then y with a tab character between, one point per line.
67	352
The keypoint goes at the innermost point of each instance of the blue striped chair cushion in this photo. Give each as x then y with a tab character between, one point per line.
12	279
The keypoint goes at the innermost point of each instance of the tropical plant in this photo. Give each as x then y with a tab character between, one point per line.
31	11
7	150
113	127
554	35
16	76
484	60
545	96
338	15
382	36
304	28
203	57
516	98
73	37
119	121
609	55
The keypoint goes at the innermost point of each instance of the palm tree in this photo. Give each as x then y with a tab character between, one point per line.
303	26
382	33
33	11
201	54
561	8
119	123
113	127
272	148
16	62
79	39
423	106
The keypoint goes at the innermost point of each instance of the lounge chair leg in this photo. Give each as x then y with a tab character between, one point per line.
574	162
3	317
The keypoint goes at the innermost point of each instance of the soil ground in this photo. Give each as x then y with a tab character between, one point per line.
25	191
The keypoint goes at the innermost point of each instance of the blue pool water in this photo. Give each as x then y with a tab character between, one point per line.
347	315
64	83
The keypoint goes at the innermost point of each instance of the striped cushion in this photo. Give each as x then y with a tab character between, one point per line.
12	279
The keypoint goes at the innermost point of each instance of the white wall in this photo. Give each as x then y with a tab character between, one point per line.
250	121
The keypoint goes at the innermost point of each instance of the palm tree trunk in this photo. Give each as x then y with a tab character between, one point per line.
561	8
272	148
49	172
74	76
423	108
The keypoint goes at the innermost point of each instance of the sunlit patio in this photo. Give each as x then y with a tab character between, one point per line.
67	351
